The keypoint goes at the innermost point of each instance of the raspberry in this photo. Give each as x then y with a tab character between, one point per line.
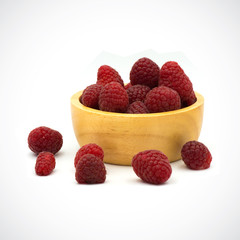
127	86
90	96
44	139
90	169
137	107
162	99
196	155
145	72
107	74
137	93
190	100
173	76
80	99
45	163
152	166
90	148
113	98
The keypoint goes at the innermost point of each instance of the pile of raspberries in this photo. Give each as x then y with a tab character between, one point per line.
152	166
150	90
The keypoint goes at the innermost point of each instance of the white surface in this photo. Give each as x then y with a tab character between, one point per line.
48	51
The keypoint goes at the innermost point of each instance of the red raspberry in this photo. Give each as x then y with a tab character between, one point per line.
80	99
173	76
162	99
45	139
90	148
137	107
113	98
45	163
152	166
137	93
190	100
107	74
90	96
196	155
90	169
145	72
127	86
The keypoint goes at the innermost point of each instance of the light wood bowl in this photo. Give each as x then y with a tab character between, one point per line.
123	135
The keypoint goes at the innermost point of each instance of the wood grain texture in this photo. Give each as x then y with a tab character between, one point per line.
123	135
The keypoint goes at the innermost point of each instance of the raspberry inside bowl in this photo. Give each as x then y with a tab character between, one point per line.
122	135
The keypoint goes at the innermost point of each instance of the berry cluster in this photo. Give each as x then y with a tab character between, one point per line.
45	142
151	89
89	164
159	89
151	166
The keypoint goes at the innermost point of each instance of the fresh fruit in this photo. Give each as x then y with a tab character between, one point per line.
191	99
137	107
127	86
145	72
173	76
107	74
113	98
90	169
196	155
45	139
45	163
162	99
90	96
152	166
90	148
137	93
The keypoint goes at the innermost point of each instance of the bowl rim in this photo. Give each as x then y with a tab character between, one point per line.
76	102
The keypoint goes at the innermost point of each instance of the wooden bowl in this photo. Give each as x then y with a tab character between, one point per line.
123	135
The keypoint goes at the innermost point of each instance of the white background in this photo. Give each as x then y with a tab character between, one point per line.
51	49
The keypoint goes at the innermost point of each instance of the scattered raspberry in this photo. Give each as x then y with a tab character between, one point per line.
44	139
127	86
90	169
196	155
145	72
113	98
173	76
107	74
90	148
152	166
45	163
137	107
137	93
90	96
162	99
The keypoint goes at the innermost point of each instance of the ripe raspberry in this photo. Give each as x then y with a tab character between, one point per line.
45	163
190	100
90	96
45	139
137	93
152	166
162	99
113	98
90	148
127	86
137	107
107	74
90	169
196	155
145	72
173	76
